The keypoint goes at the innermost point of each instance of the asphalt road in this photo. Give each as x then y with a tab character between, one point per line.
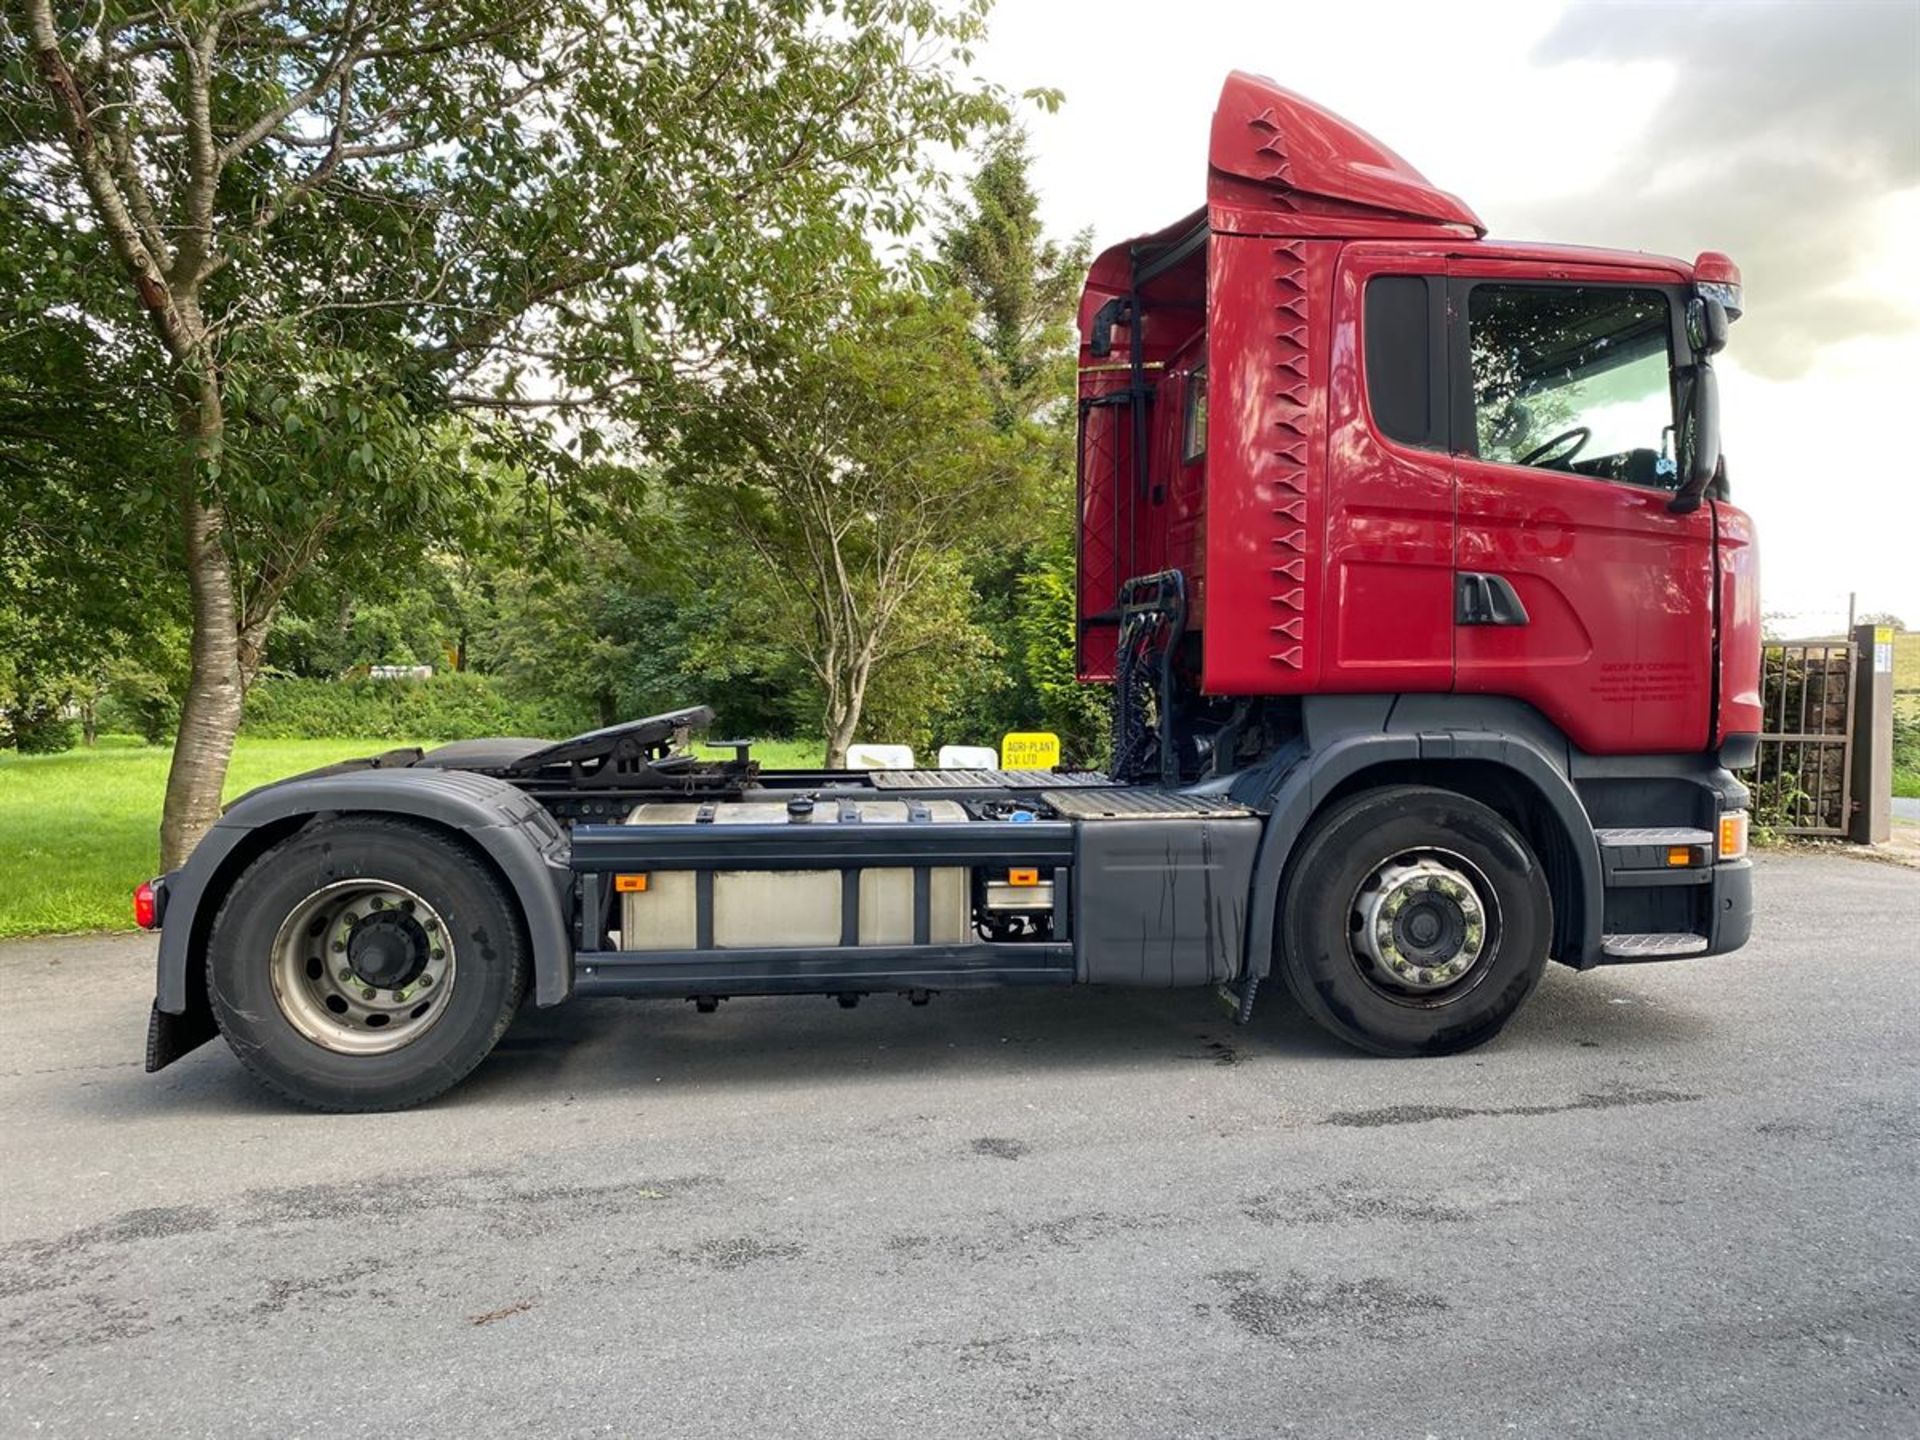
1675	1200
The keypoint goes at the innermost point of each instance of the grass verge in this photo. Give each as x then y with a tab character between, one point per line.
79	830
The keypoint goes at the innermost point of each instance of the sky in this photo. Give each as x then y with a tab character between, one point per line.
1786	135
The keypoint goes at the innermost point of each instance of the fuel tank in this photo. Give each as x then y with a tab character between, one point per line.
793	909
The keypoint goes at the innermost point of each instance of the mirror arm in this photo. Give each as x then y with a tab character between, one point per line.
1685	502
1704	410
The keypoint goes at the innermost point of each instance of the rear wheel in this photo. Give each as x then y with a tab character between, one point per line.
365	964
1415	921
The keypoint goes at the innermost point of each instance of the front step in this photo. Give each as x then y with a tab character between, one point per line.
1668	946
1627	837
1644	855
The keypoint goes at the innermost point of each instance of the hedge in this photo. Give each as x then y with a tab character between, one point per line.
455	706
37	729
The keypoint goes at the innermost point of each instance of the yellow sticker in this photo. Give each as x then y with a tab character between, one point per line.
1035	750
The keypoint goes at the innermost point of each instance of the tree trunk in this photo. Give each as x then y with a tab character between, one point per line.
210	716
839	737
846	699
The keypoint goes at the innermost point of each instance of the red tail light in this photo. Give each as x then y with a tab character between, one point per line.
146	906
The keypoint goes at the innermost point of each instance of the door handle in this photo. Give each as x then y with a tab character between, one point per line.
1482	599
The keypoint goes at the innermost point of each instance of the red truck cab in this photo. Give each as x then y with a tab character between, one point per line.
1388	455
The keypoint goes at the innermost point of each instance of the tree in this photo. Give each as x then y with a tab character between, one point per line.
340	221
1026	287
648	613
859	471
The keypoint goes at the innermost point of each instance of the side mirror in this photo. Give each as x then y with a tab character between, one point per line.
1707	326
1704	463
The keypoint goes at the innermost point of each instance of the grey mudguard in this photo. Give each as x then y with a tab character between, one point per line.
521	838
1348	734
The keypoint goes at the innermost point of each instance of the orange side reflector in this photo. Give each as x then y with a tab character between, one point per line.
1679	854
1023	877
629	884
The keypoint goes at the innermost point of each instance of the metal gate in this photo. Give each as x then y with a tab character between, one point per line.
1802	781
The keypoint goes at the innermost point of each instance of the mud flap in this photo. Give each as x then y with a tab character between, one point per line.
171	1036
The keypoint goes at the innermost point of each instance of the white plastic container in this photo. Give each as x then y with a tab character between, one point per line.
969	757
879	757
793	909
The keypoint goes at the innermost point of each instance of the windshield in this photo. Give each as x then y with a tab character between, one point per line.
1575	378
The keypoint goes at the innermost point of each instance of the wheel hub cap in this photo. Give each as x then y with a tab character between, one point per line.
362	967
387	949
1421	923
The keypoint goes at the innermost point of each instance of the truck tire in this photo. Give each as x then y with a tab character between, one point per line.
366	963
1415	922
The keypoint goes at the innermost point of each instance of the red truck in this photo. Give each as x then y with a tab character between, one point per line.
1433	640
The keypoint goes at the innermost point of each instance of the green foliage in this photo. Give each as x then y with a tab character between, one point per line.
443	296
1078	714
1024	284
650	611
1025	287
941	658
1906	754
38	728
447	707
78	579
375	266
141	688
422	614
857	474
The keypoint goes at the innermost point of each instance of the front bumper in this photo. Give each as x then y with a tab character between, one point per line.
1730	906
1679	914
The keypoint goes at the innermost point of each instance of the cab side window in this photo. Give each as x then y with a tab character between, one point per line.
1406	364
1575	378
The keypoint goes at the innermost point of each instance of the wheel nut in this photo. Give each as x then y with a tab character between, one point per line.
369	994
346	977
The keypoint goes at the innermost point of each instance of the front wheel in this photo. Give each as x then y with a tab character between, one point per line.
365	964
1415	922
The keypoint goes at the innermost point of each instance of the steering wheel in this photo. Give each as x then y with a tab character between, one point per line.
1579	435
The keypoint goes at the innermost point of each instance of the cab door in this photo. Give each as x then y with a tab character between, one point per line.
1576	589
1388	607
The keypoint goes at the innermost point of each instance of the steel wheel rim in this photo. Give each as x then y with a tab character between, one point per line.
362	967
1423	926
